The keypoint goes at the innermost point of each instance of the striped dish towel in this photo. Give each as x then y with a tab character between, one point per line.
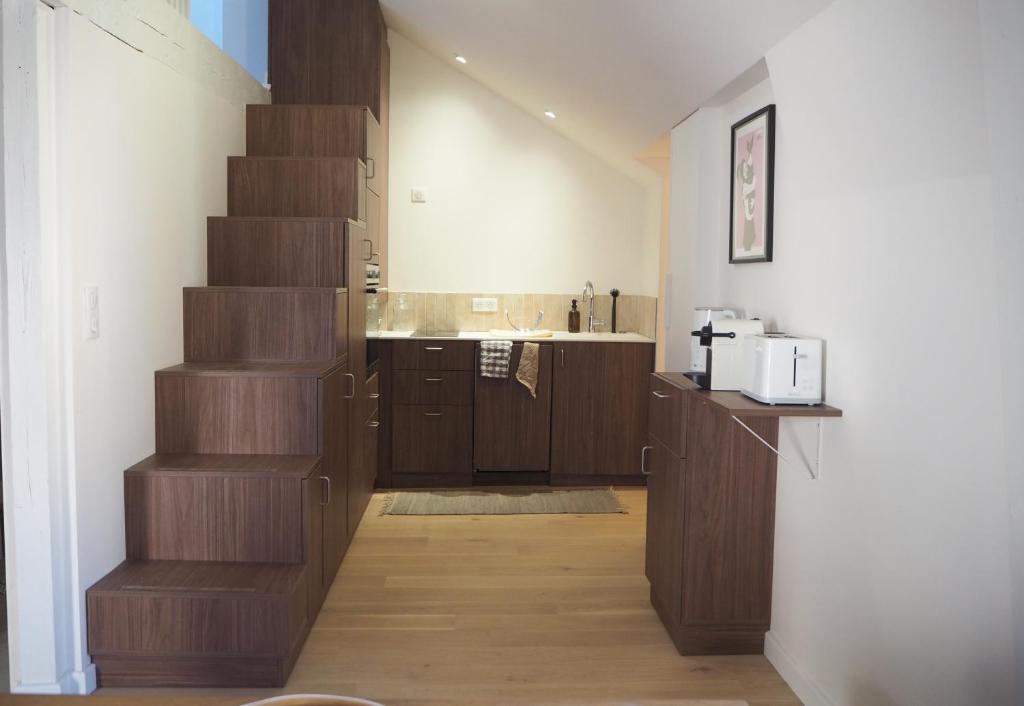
494	358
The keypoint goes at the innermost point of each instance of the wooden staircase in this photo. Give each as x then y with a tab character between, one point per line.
266	439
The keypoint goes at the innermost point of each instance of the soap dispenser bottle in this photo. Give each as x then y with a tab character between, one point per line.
574	318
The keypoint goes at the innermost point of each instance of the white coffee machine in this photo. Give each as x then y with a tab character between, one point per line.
703	316
722	344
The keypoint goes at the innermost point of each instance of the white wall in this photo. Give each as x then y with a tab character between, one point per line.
892	572
513	206
143	164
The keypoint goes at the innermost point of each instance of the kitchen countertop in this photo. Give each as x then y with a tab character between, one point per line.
559	336
739	404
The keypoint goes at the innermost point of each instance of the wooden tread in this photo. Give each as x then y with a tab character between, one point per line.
229	465
150	623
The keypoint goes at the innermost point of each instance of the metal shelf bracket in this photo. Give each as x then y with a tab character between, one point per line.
814	470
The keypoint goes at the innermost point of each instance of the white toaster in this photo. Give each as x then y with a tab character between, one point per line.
782	369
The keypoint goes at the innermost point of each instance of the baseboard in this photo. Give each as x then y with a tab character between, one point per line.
806	689
79	683
83	681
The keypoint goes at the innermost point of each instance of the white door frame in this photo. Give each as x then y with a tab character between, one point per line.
36	405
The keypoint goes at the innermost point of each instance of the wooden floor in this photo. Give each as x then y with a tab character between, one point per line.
541	609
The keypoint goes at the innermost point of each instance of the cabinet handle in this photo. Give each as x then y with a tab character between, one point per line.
562	351
371	168
432	414
328	500
373	425
660	395
369	249
374	395
643	460
433	379
433	348
352	386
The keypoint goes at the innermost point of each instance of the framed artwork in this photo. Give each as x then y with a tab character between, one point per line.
750	197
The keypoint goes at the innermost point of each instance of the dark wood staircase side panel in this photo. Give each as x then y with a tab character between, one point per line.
236	414
320	187
307	131
207	517
270	324
268	252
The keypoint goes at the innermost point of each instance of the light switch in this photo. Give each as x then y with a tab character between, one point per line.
419	195
92	311
485	304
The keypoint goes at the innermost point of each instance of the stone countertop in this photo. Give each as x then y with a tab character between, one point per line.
560	336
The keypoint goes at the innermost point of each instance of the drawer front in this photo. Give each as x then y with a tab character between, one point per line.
668	408
438	387
433	355
432	439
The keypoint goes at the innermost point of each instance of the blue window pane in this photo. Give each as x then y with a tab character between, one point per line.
239	27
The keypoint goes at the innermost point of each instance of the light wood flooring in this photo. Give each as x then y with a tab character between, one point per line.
539	609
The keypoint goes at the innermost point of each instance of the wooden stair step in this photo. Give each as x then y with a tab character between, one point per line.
240	408
309	131
265	323
197	623
220	507
277	252
318	187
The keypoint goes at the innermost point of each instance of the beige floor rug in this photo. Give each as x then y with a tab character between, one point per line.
503	501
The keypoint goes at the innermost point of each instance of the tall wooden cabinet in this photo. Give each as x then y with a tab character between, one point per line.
711	514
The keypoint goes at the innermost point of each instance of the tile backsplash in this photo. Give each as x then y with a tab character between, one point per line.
408	311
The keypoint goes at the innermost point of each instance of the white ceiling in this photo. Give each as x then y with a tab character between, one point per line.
619	73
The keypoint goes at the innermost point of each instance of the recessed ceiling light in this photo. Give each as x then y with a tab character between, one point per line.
550	114
460	58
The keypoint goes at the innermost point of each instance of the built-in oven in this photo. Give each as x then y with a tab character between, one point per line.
376	304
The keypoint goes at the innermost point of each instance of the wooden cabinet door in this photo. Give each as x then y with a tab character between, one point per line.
432	439
335	411
665	514
599	408
315	497
364	471
511	428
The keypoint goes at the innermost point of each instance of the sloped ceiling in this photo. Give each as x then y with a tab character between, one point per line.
618	73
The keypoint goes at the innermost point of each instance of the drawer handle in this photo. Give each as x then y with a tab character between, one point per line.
660	395
328	500
433	348
432	414
643	460
374	395
433	379
373	425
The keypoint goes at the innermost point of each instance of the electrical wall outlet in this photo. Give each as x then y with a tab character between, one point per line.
92	311
485	305
419	195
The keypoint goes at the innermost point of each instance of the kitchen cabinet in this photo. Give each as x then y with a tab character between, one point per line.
336	411
665	512
511	428
711	514
433	439
599	411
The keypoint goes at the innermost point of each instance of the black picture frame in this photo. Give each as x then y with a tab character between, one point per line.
768	113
